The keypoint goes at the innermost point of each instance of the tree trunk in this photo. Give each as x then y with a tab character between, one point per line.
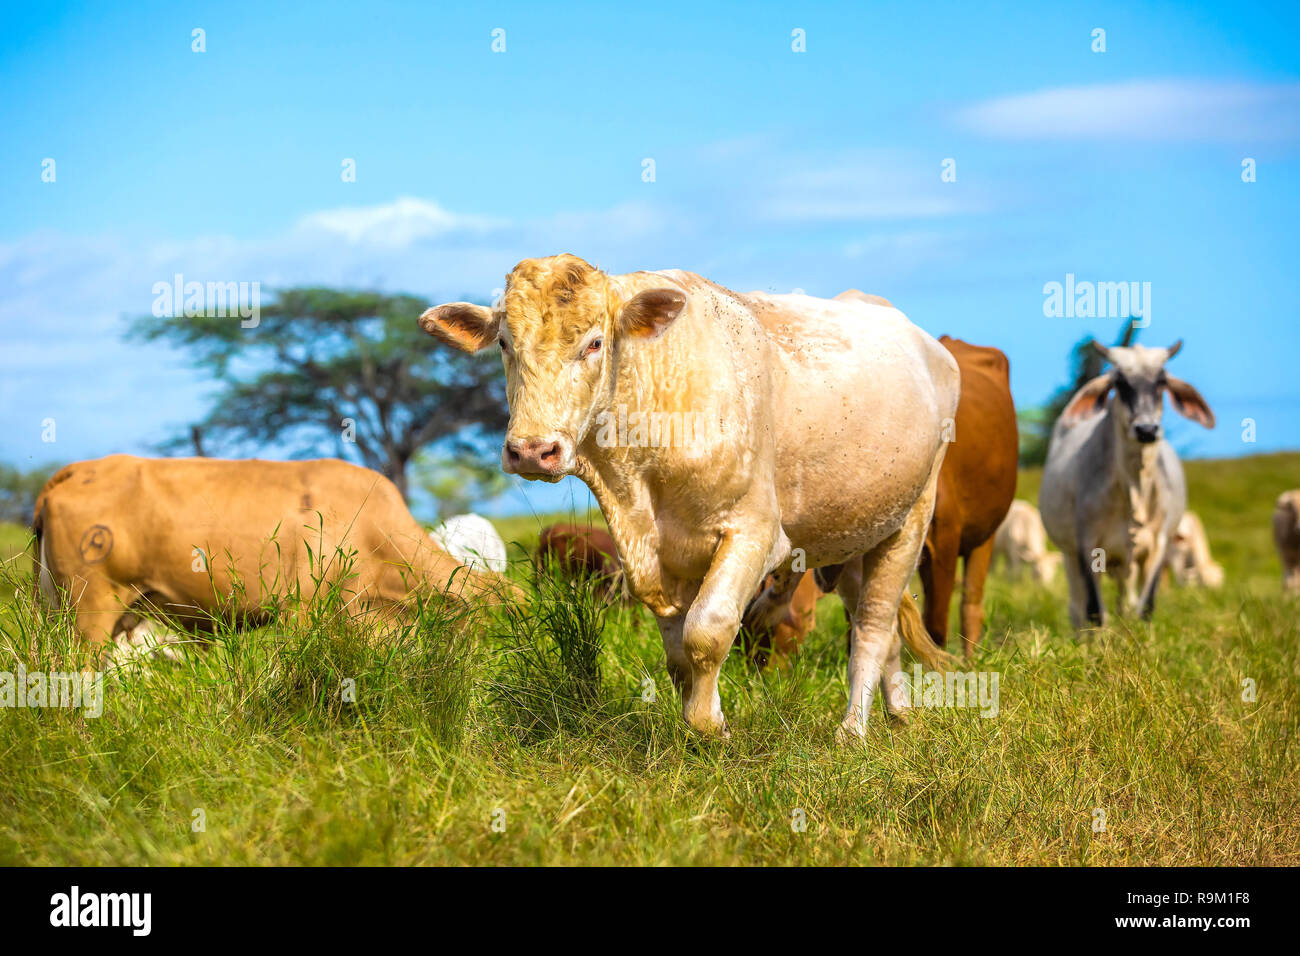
395	471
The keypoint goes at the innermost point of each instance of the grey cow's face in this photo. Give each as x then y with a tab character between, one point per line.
1139	380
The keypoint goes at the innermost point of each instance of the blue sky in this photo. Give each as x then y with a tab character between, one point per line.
776	170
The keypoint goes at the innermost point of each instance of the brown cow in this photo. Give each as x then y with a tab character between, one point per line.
976	485
583	551
782	640
193	540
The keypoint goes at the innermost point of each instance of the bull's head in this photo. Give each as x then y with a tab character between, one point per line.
561	325
1139	380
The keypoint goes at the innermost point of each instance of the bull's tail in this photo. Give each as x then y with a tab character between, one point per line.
912	629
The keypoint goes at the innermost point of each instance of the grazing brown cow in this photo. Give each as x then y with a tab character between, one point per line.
580	550
976	485
193	540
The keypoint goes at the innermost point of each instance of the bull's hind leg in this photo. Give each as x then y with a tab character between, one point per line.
892	688
885	573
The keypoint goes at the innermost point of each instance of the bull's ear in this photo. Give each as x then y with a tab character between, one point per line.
461	325
1188	401
648	313
1087	400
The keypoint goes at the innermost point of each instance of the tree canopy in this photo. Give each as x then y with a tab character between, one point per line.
324	368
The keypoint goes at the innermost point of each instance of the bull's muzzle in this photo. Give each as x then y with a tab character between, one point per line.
535	457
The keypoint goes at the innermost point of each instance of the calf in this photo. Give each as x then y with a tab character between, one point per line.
815	437
1286	535
1113	489
1021	541
1189	562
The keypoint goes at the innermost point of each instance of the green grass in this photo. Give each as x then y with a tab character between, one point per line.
13	540
536	718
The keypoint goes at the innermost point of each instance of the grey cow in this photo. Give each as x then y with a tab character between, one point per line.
1113	488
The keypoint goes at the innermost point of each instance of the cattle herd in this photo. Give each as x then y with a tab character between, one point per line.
834	446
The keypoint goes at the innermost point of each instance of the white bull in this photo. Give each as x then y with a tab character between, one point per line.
727	436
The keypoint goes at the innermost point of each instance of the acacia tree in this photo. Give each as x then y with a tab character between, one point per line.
324	368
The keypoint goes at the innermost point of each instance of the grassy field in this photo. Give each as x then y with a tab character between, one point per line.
550	734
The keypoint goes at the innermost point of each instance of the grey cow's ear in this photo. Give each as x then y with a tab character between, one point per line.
462	325
1087	400
1188	401
648	313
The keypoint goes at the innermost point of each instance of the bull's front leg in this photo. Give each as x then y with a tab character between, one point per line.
711	623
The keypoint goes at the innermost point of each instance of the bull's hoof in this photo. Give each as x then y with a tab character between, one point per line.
851	731
900	718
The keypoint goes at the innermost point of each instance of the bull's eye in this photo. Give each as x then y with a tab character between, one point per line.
593	346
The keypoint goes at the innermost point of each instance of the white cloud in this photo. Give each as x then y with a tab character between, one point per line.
398	223
860	186
1147	110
